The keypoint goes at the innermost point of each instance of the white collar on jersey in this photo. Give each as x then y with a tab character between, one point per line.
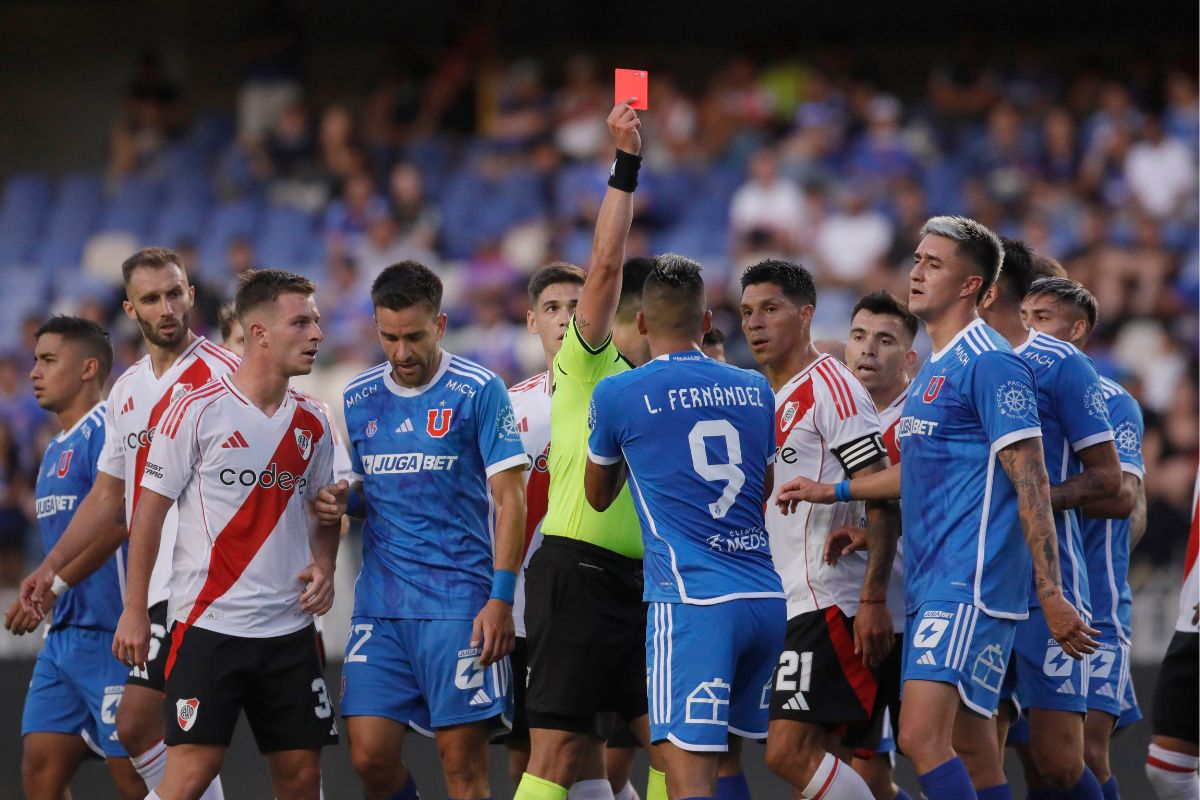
667	356
404	391
62	435
975	323
1021	347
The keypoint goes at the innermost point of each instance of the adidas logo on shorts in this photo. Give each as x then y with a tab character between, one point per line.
927	660
797	703
1105	691
1066	688
481	698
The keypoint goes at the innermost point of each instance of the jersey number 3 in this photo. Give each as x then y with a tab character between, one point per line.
727	471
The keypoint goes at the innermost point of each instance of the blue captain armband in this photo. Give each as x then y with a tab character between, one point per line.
504	585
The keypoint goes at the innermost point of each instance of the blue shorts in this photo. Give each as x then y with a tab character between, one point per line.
709	670
422	673
1043	675
1109	680
956	643
76	687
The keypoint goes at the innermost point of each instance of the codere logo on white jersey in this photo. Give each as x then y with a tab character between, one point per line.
399	463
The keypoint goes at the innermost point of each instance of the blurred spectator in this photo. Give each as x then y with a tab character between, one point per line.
239	258
417	218
768	206
347	218
18	409
519	107
15	519
853	241
347	316
341	153
271	51
580	109
1004	160
1182	116
1161	172
151	115
882	154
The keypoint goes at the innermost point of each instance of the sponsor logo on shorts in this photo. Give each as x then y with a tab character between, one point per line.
989	668
708	703
185	712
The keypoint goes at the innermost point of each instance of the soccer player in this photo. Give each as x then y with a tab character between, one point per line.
1175	746
553	294
431	435
708	558
972	406
76	685
879	351
159	299
585	620
713	344
243	456
839	629
1110	528
1083	467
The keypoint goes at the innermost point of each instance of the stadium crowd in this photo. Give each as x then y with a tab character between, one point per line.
487	169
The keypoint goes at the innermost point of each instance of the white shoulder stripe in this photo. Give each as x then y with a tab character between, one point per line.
970	342
1050	344
471	366
985	341
374	373
473	376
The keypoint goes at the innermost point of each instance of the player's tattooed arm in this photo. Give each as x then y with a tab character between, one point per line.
1099	480
1117	505
602	290
1026	468
873	632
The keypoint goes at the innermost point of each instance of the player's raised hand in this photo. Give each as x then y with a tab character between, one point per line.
34	589
318	588
801	489
843	542
1073	635
331	502
131	642
624	125
493	632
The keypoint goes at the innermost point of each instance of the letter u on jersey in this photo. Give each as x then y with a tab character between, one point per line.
438	423
935	386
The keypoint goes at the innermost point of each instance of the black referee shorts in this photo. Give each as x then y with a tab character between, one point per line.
586	626
1178	690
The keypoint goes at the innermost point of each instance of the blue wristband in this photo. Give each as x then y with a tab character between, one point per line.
842	492
504	585
356	504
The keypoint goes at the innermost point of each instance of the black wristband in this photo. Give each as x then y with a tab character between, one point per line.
624	171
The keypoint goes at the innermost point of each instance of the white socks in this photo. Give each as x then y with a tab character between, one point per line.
1173	775
628	793
150	765
836	781
595	789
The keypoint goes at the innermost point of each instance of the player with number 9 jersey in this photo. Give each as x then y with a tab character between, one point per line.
697	437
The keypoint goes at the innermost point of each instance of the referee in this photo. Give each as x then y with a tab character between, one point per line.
585	620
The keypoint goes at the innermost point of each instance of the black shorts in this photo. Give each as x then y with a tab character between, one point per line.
1177	692
819	679
518	736
276	680
865	739
622	736
152	676
586	626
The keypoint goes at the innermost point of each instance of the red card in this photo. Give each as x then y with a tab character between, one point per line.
633	83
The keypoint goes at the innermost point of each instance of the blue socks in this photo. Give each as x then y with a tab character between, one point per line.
1000	791
408	792
733	787
1109	789
902	795
1087	788
949	781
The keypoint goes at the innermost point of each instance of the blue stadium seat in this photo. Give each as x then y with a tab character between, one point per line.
228	220
132	207
26	291
288	239
22	213
182	219
76	209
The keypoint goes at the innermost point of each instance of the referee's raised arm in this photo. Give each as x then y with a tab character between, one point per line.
602	289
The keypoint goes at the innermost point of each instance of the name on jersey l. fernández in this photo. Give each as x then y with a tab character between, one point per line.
688	397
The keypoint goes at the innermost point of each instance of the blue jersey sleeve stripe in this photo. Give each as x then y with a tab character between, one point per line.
471	375
1095	438
470	366
362	380
981	340
520	460
604	461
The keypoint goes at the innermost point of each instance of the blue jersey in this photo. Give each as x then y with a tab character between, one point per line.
66	475
424	456
1074	416
1106	541
962	535
698	437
